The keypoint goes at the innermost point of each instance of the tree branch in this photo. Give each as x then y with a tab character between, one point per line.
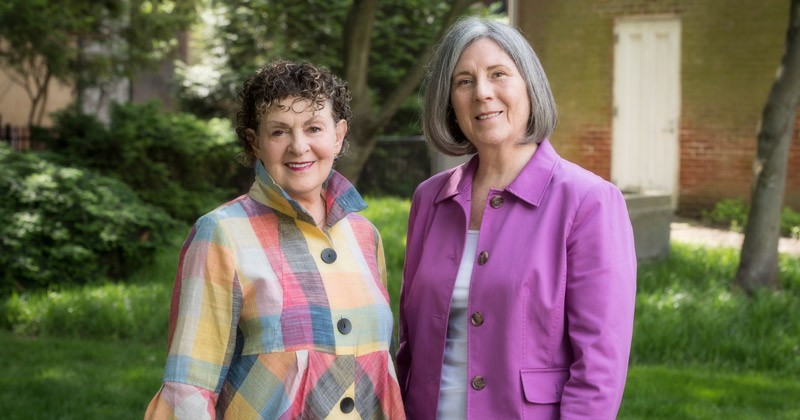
413	77
357	40
23	83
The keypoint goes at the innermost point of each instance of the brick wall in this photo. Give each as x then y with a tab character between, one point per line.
730	51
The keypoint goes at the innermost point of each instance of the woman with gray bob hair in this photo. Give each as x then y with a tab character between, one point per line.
440	127
519	279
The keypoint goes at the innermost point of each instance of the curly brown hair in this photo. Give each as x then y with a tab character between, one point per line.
279	80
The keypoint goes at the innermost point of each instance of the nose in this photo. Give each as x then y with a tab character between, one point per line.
299	144
483	89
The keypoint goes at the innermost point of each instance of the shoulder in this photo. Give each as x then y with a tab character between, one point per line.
360	221
434	184
430	188
241	207
572	179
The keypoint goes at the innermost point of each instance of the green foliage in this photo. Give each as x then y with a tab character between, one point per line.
790	223
237	37
84	42
127	35
137	309
732	213
61	224
174	161
687	312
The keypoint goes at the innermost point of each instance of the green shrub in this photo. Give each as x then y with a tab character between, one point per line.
729	213
66	225
172	160
136	309
732	214
790	223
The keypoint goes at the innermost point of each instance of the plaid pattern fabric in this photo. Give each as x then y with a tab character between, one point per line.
261	326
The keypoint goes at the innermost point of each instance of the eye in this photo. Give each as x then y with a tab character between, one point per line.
314	129
463	82
498	74
276	133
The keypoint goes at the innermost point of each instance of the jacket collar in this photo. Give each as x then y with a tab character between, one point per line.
529	186
340	196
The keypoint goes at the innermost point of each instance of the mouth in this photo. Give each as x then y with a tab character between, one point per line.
298	166
488	115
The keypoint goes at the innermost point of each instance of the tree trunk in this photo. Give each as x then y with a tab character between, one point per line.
363	138
44	94
357	38
758	267
368	122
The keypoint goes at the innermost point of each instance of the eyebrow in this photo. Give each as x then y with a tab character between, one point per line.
490	68
277	123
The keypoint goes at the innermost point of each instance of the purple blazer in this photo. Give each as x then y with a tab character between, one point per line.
551	299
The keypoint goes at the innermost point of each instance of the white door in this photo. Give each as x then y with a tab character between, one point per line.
645	123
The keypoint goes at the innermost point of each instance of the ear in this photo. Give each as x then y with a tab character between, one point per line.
252	138
341	132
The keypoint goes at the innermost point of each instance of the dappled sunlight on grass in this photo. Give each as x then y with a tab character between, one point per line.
61	375
69	378
704	392
687	310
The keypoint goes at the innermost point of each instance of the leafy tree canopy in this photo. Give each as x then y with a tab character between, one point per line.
85	42
379	47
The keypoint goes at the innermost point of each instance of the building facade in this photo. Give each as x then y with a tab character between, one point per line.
662	95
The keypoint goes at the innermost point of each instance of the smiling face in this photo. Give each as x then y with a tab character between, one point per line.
297	144
489	96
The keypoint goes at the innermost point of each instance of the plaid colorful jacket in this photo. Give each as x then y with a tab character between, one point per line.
275	318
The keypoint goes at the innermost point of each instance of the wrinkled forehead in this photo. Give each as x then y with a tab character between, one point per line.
297	105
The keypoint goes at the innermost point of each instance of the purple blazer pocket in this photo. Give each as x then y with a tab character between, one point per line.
544	386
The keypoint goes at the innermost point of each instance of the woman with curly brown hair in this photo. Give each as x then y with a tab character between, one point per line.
280	308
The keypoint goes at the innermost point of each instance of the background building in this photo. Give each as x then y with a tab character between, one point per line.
662	95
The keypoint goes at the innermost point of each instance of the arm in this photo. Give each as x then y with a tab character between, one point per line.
600	299
381	256
205	307
175	401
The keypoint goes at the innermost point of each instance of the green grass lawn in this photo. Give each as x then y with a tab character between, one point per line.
701	350
72	378
68	378
703	392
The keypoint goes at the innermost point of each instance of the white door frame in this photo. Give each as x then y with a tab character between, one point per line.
646	115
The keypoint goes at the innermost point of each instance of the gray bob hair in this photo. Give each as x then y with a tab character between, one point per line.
438	118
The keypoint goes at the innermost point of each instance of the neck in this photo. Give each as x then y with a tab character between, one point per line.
498	167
